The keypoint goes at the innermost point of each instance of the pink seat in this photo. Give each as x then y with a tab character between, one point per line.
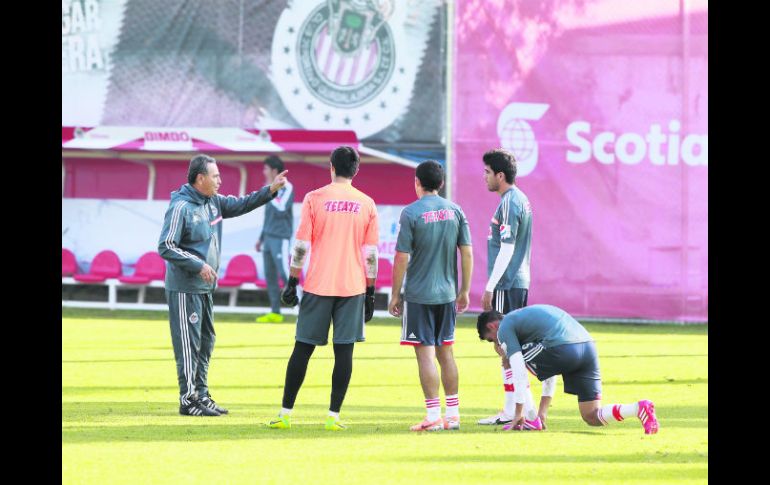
69	266
240	269
384	274
148	268
105	265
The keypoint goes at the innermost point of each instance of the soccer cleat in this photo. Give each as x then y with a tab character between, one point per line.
429	425
646	415
333	424
270	318
452	422
209	403
499	418
196	408
281	422
534	425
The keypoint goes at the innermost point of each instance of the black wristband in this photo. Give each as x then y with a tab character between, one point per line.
370	291
293	281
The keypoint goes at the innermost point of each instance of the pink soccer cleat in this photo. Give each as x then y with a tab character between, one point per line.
429	425
646	415
534	425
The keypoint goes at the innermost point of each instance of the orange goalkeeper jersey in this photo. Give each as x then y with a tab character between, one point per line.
337	220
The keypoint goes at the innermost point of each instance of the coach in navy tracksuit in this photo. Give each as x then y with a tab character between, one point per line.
190	243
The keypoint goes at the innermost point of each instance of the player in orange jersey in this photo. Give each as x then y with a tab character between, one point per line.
339	227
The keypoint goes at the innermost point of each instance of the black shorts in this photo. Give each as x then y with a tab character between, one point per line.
428	324
505	301
578	365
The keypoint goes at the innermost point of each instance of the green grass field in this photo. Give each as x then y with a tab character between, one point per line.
120	421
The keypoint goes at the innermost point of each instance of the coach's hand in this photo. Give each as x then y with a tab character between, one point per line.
289	294
462	301
279	181
369	303
486	301
396	306
208	274
258	246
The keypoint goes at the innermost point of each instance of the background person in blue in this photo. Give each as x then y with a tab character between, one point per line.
274	239
431	231
548	341
190	242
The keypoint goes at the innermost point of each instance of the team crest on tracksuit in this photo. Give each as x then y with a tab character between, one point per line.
349	64
194	318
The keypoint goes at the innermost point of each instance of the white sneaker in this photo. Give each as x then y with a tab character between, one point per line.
499	418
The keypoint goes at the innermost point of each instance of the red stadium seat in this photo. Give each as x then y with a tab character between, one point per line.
105	265
69	266
240	269
148	268
384	274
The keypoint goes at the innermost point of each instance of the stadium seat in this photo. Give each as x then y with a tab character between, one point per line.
105	265
240	269
149	267
69	265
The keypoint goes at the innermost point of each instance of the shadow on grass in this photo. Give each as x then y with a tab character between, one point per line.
171	389
363	421
463	321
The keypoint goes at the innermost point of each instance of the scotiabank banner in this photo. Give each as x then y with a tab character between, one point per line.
605	105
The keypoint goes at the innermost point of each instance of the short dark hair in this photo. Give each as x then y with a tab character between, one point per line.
274	162
345	161
484	318
430	173
198	165
500	160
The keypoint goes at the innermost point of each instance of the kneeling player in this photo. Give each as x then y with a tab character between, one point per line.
548	341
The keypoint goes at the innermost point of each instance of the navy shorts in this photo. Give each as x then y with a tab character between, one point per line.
428	324
505	301
578	364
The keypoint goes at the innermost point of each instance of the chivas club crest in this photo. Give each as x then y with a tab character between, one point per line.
349	64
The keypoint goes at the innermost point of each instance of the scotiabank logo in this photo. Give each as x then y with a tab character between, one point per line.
517	136
631	148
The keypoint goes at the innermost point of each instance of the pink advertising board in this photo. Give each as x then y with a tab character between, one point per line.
605	105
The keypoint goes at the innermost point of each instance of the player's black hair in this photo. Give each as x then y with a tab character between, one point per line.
198	165
484	318
430	173
274	162
345	161
500	160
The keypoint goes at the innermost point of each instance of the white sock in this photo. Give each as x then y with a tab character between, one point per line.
617	412
433	406
509	408
529	406
334	415
285	412
452	406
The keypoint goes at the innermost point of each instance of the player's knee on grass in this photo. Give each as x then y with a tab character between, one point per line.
589	412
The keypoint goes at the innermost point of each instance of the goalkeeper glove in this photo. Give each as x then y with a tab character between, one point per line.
289	294
369	303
